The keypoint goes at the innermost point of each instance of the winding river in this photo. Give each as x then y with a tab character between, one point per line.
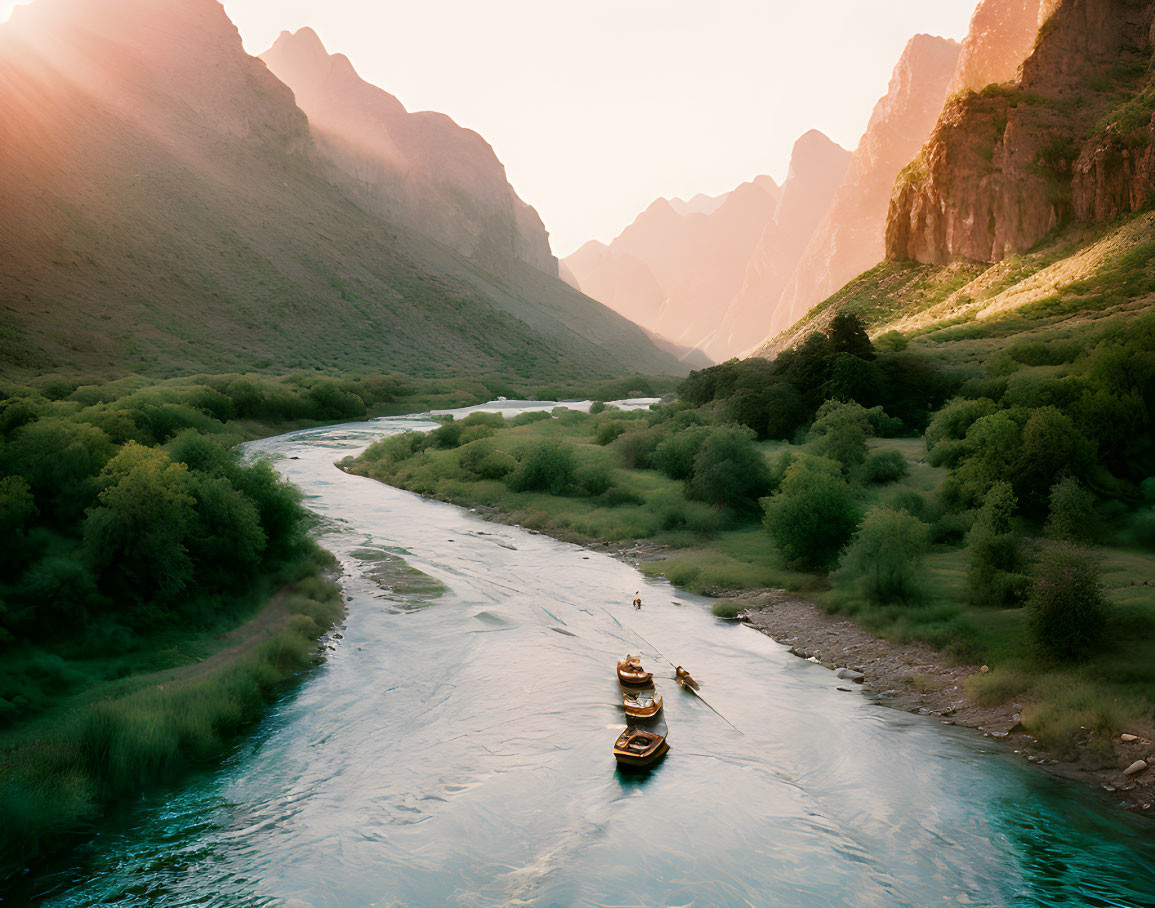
457	751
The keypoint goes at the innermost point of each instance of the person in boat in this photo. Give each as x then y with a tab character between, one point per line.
683	677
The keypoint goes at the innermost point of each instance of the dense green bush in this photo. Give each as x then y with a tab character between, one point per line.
813	515
677	452
994	573
1067	610
486	462
1072	513
884	468
609	431
729	470
839	432
546	466
886	557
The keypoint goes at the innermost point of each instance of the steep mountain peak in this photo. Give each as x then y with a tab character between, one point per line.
164	207
850	238
1001	35
419	169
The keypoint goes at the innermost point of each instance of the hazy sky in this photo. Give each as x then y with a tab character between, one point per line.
597	108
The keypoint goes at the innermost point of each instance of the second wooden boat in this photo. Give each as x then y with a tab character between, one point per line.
641	702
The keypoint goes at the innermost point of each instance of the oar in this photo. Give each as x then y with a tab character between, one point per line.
696	693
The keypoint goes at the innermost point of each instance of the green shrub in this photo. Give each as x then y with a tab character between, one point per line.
1072	517
994	574
886	557
448	436
547	466
675	455
840	432
729	608
597	407
527	419
594	480
610	431
884	468
729	470
637	446
813	515
1068	614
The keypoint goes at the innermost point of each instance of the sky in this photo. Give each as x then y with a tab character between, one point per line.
598	107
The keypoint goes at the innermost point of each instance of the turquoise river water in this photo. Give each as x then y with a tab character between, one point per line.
457	751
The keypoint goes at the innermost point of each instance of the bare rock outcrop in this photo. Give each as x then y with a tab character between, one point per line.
1008	165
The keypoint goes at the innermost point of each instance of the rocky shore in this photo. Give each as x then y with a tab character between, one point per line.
915	678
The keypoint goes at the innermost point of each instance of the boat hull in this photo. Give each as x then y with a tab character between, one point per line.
638	749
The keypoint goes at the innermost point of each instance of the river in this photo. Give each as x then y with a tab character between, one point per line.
457	751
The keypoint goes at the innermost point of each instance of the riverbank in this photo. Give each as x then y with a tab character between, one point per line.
912	676
114	740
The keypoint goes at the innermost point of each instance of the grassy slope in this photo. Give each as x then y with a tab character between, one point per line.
962	313
141	719
139	235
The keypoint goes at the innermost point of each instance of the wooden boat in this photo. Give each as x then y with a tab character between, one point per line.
638	747
641	702
632	673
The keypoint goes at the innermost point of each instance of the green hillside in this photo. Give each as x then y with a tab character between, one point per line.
164	211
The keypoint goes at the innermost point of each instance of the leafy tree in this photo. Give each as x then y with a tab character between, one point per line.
813	514
729	470
1051	446
17	512
60	460
225	538
676	454
847	334
993	447
852	379
994	574
840	432
1072	517
135	538
1068	613
886	555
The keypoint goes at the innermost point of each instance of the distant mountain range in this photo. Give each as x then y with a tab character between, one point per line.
829	222
167	205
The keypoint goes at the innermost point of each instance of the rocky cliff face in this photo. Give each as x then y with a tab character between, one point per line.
421	170
1070	139
1001	35
851	237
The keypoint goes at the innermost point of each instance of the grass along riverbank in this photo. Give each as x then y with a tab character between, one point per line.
178	703
580	478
